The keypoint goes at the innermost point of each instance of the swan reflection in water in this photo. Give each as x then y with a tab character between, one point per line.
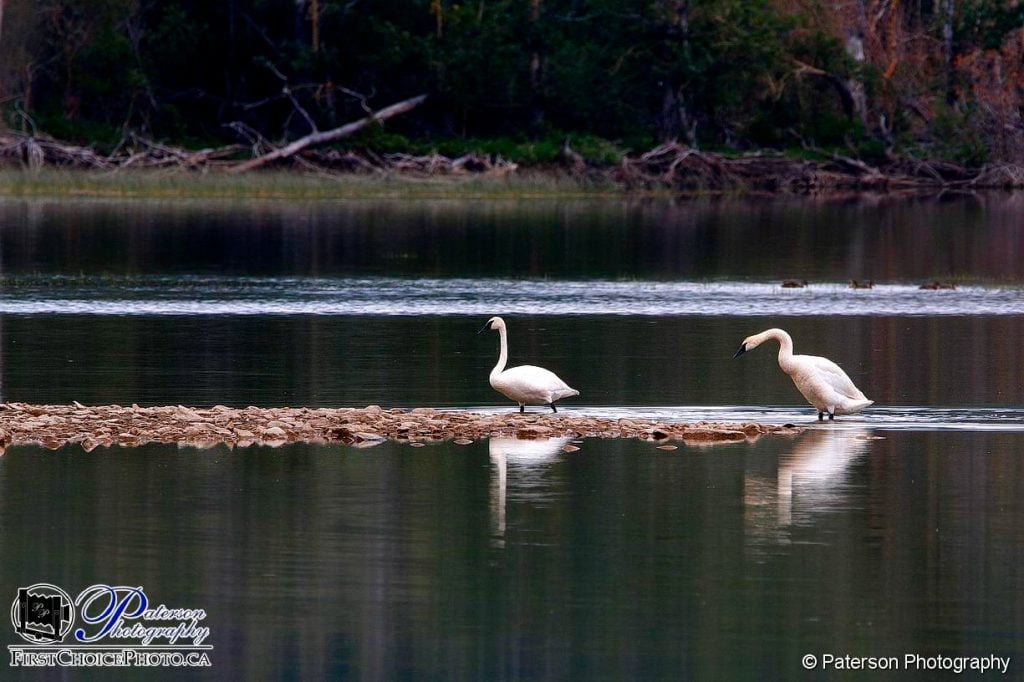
809	480
530	461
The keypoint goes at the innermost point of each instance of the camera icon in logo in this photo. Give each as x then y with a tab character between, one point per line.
42	613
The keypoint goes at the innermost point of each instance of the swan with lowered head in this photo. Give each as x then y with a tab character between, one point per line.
526	384
820	380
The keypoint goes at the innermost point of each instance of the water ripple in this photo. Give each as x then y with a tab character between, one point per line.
214	295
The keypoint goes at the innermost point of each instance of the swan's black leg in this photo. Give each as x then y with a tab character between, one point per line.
821	416
553	408
831	416
522	408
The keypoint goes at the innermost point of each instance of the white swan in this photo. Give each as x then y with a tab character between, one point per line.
820	380
526	384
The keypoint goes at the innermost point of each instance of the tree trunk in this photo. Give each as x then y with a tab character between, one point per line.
855	86
948	10
536	47
29	78
232	60
858	102
675	121
438	12
301	15
314	18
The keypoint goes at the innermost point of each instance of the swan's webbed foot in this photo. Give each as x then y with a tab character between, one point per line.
553	408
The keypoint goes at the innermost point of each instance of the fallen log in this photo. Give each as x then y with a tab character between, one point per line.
323	137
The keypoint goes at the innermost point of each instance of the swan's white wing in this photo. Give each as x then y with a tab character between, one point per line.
534	376
531	384
834	376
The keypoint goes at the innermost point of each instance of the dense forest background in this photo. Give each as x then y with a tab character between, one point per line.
929	78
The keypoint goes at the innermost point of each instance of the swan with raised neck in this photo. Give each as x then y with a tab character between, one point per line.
525	384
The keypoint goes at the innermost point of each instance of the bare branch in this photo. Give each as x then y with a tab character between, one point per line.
326	136
287	92
359	96
258	144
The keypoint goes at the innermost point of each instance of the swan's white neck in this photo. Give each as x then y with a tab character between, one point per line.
785	346
503	355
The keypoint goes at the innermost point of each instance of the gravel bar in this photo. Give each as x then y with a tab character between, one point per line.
54	426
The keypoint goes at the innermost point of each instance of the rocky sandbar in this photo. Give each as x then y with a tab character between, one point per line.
54	426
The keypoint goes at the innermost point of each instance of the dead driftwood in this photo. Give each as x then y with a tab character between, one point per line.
676	166
137	152
671	166
35	152
427	165
133	152
318	137
140	153
149	154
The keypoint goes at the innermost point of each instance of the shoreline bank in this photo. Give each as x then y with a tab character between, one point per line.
670	170
55	426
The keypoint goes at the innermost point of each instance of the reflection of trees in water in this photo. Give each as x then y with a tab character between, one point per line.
530	460
881	239
809	480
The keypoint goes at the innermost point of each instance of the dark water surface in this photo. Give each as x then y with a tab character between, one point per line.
506	559
897	531
441	361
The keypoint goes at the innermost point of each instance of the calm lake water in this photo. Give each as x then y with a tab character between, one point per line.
897	531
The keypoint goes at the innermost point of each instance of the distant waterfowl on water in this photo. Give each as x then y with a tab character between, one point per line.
526	384
862	284
822	382
936	284
794	283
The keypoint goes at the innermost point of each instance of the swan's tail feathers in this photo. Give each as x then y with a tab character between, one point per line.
858	405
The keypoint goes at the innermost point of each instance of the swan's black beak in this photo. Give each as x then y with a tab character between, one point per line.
741	351
487	325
